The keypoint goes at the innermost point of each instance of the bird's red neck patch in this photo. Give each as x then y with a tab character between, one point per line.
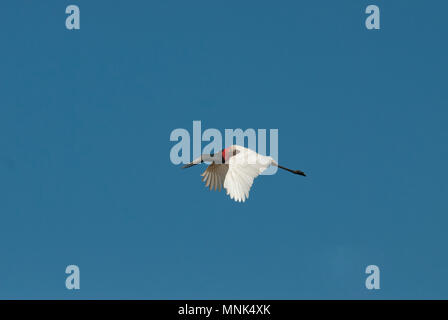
225	153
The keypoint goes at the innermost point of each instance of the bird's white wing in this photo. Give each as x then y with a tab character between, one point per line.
214	175
244	167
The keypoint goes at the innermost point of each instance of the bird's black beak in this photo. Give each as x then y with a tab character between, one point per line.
188	165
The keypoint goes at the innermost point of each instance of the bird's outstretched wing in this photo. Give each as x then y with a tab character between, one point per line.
243	169
215	175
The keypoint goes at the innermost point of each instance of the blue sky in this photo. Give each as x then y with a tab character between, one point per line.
86	178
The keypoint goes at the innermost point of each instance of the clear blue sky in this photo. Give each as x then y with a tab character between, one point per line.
85	174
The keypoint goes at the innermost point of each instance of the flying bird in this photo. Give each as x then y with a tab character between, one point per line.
235	169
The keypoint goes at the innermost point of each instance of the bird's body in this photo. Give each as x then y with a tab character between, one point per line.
235	169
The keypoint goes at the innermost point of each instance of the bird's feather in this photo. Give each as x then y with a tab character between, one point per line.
236	176
214	176
244	167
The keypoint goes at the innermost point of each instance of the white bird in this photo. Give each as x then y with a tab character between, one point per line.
235	169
